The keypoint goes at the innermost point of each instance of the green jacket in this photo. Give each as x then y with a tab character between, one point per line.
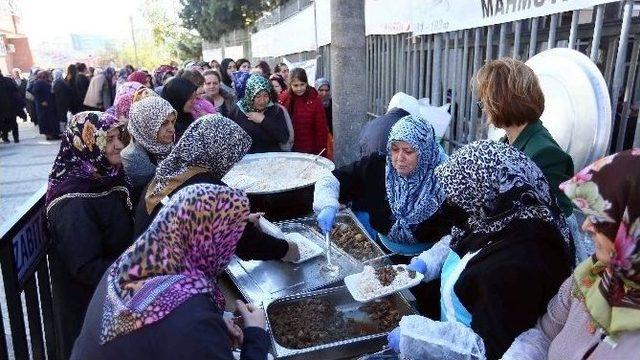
556	165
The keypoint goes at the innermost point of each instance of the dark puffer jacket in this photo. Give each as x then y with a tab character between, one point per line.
309	122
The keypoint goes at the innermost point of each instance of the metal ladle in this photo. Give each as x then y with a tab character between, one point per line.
329	268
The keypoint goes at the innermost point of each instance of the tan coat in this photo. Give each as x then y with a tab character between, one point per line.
563	334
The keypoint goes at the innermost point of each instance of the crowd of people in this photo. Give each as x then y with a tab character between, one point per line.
142	223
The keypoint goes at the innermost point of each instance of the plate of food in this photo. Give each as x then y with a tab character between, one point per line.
308	248
373	283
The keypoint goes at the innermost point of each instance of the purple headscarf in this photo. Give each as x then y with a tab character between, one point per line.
124	98
81	166
240	79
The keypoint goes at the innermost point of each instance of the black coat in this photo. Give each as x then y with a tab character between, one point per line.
375	134
509	283
267	135
82	85
253	245
65	99
362	184
194	330
88	234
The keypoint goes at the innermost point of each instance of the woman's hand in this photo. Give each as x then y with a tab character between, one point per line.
252	315
235	333
256	117
254	218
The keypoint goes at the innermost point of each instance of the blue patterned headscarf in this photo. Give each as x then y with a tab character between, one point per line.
240	79
415	198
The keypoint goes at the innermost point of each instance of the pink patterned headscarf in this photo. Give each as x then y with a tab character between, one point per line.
202	107
138	76
124	98
189	243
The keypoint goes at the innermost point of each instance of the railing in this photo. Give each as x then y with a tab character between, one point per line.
27	286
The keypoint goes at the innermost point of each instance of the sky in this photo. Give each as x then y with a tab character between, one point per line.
48	19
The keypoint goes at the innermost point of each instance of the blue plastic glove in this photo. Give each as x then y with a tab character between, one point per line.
418	265
326	217
394	340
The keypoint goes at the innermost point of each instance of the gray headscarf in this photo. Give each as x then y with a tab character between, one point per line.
57	76
145	119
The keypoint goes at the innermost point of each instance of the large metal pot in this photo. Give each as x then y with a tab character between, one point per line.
284	202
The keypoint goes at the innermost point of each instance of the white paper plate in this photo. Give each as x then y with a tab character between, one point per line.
353	285
312	251
577	104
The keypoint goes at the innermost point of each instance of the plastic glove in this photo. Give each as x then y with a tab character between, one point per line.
418	265
326	218
394	340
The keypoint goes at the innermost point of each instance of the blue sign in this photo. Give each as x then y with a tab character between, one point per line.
29	245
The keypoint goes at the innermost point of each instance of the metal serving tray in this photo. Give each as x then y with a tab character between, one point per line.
340	297
259	281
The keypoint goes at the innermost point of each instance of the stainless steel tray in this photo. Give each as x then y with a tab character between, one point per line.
302	157
343	301
259	281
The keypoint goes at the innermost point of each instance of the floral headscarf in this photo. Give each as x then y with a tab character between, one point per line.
608	192
161	71
213	143
138	76
146	118
255	85
81	166
187	246
124	98
495	184
415	198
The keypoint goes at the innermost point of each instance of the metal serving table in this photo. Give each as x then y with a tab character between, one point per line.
259	281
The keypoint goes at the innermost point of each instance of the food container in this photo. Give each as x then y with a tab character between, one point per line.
344	303
259	281
292	194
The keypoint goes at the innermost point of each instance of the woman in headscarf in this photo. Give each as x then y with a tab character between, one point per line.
508	252
138	76
88	212
160	300
46	106
207	151
161	75
181	93
397	192
124	99
596	313
152	127
101	92
259	117
227	68
511	97
323	87
201	106
240	79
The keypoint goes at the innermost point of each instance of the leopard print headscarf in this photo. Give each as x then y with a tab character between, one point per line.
494	184
186	247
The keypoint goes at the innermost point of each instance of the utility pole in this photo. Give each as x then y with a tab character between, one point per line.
348	77
135	45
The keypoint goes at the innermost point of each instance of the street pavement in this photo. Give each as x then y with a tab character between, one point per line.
24	168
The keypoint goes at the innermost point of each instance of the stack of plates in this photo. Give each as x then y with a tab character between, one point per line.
577	104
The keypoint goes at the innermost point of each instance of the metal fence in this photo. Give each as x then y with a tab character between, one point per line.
27	287
441	66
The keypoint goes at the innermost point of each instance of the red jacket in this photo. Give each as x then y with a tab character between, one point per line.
308	118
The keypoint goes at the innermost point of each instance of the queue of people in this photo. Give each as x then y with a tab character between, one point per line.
142	222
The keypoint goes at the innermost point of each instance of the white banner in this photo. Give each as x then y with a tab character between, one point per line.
436	16
386	17
309	66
